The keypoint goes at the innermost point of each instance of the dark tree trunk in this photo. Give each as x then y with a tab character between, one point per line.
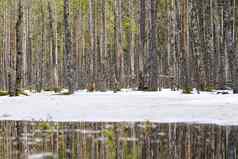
184	45
29	49
229	21
68	49
153	57
141	81
19	49
222	78
235	75
195	47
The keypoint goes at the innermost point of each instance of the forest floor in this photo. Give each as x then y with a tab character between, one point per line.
127	105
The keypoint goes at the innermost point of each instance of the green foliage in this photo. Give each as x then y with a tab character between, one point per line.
48	89
56	90
84	6
126	23
109	134
129	152
116	88
148	127
111	141
44	126
129	23
22	93
62	148
66	93
4	93
60	7
187	90
74	5
209	88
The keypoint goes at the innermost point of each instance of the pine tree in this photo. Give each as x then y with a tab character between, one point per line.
68	49
19	49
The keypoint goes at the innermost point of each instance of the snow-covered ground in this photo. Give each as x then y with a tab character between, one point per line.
165	106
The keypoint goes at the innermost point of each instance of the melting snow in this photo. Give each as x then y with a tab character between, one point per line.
127	105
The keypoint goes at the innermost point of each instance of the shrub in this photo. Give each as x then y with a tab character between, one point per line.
91	87
4	93
209	88
187	90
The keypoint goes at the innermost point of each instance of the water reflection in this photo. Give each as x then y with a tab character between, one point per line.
43	156
50	140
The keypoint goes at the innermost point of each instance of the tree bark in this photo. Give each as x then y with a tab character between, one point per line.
19	49
235	75
132	46
120	51
53	47
184	45
41	51
153	57
92	56
141	81
68	49
105	64
29	48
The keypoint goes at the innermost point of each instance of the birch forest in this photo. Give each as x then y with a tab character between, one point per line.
102	45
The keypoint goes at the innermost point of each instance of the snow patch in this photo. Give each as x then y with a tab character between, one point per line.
127	106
